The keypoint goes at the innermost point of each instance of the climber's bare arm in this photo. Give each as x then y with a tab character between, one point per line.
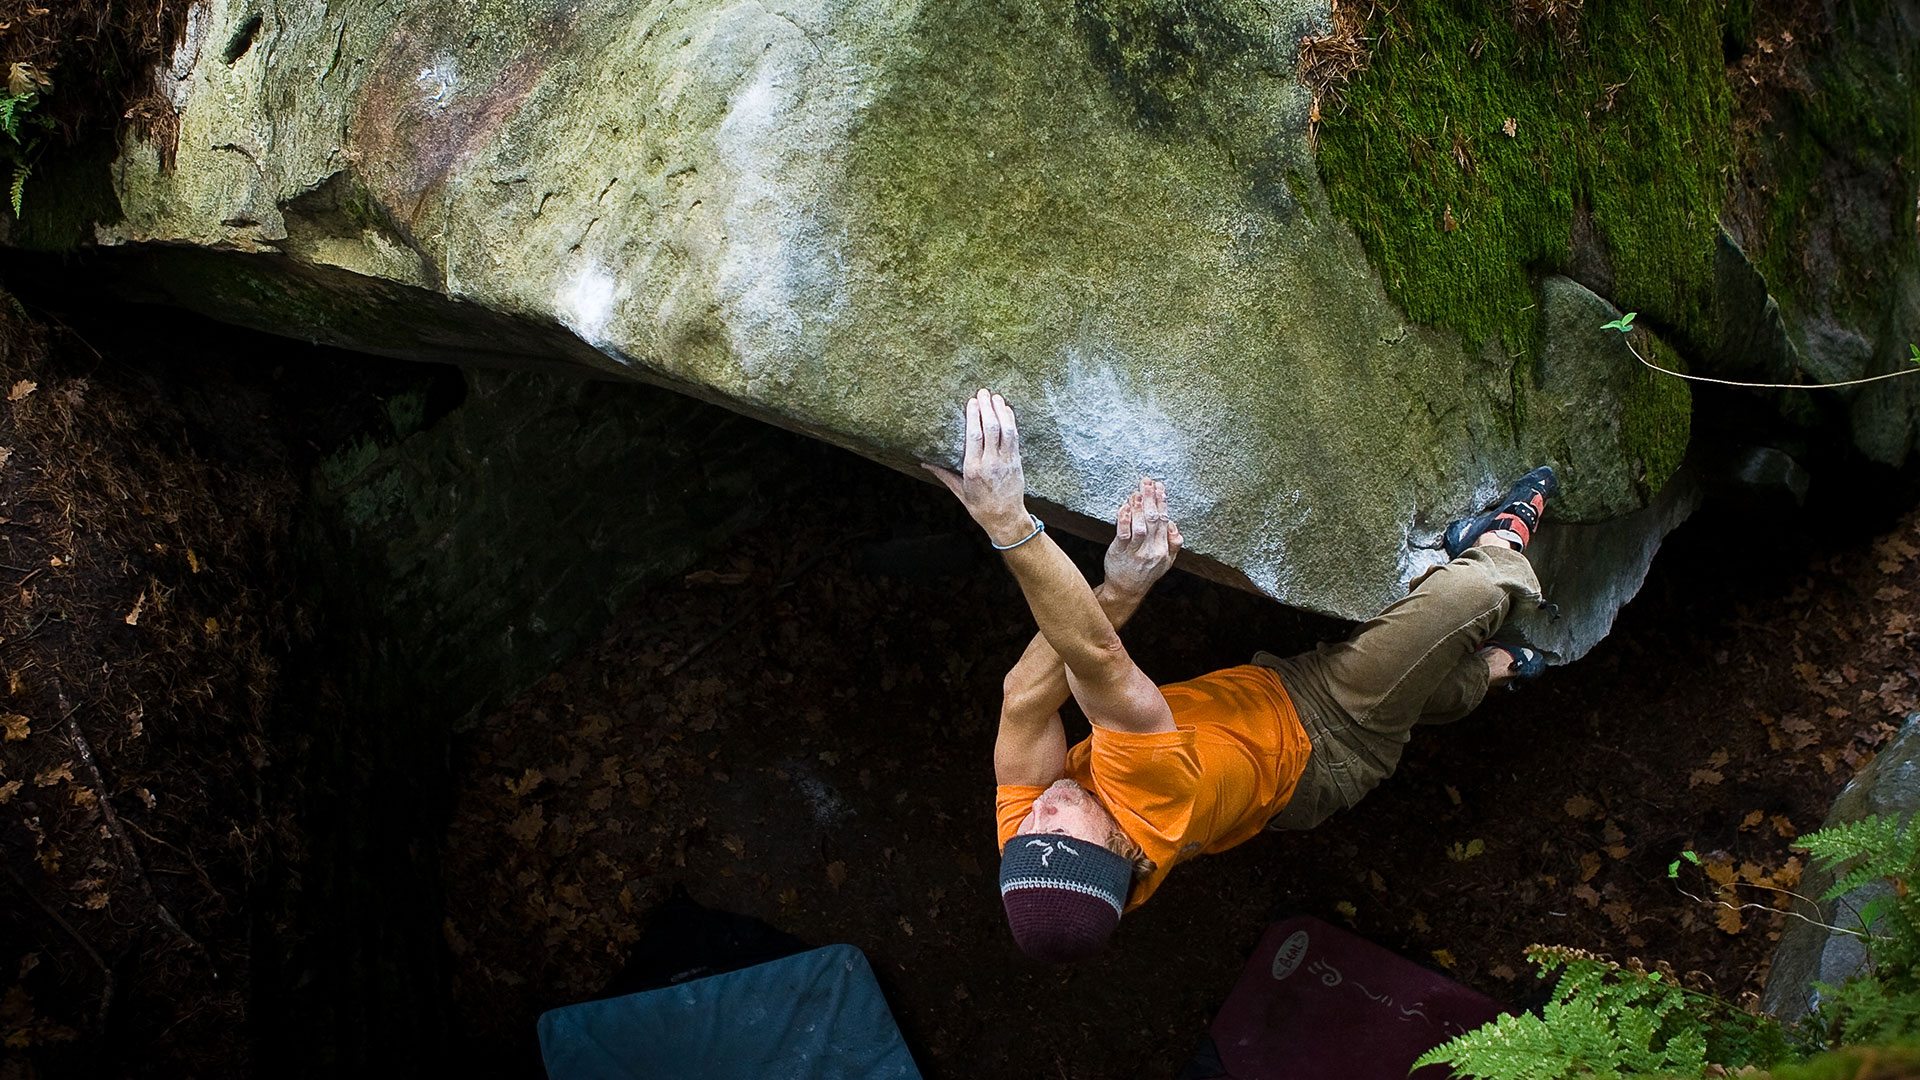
1112	690
1031	748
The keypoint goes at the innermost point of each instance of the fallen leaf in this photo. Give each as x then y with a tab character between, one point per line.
1511	127
905	926
1471	849
6	454
83	796
1753	819
1447	222
1453	794
734	844
1579	806
1374	879
95	902
8	790
18	727
50	777
1784	827
528	781
1503	972
1619	912
1789	873
1718	758
836	873
1444	958
1347	910
1703	776
133	617
21	389
526	828
1586	895
1589	865
1728	920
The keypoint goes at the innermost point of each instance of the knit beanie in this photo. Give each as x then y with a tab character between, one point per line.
1063	895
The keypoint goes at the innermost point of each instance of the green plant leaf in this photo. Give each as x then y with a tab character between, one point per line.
1623	324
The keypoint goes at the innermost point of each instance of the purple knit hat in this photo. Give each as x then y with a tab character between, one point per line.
1063	895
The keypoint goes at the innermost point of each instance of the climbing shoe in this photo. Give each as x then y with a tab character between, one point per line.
1517	515
1528	662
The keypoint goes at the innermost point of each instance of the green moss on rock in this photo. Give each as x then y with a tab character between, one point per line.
1839	172
1656	417
1159	54
1629	123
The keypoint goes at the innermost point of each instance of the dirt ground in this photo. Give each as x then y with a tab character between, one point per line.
801	729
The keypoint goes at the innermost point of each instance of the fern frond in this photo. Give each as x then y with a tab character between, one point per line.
17	188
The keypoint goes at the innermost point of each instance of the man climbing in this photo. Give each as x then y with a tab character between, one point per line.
1198	767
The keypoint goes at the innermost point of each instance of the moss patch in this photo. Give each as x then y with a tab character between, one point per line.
1630	122
1656	417
1840	169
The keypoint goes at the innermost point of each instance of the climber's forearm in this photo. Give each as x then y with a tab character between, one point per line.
1036	687
1068	614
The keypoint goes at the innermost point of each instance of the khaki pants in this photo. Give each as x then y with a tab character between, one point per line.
1414	663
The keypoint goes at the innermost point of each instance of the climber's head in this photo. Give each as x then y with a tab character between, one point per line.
1065	875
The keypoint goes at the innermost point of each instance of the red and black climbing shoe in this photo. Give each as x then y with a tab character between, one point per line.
1528	662
1516	516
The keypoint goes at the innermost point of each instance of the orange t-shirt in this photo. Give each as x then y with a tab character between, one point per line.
1229	765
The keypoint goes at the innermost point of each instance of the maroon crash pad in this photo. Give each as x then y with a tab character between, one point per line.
1316	1001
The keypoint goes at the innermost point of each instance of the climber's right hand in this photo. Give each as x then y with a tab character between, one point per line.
991	484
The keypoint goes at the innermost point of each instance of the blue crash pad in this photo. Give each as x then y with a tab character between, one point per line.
817	1015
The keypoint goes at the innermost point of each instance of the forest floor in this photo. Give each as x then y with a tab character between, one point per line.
800	731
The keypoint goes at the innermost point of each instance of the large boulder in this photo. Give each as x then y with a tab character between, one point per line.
842	215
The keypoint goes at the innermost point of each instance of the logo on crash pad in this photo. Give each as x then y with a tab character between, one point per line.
1292	951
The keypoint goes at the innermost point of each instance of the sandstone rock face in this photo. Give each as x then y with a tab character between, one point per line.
843	215
1809	953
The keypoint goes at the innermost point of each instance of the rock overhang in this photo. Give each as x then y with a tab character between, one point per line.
842	217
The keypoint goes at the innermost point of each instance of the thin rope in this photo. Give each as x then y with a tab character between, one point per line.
1765	385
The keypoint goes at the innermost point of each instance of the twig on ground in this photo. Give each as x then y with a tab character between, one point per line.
106	973
132	854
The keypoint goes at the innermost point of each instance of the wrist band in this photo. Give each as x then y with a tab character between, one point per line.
1038	528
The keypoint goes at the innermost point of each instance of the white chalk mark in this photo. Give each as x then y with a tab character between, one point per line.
585	305
1115	432
436	83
